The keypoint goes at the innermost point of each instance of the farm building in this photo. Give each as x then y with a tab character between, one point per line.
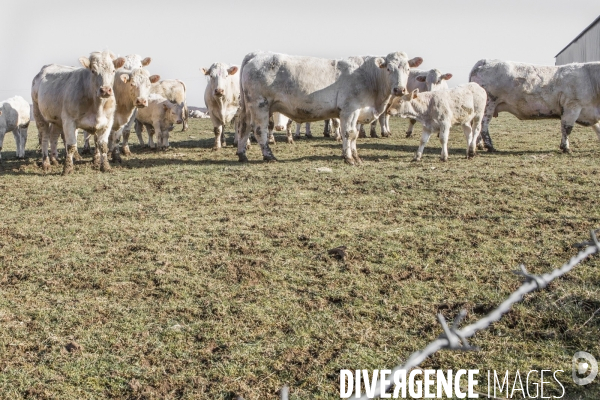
584	48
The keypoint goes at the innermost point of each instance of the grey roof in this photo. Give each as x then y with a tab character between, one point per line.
580	35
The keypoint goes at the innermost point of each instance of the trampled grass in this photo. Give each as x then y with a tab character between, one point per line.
184	274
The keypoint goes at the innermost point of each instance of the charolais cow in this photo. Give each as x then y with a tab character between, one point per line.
425	81
132	61
222	98
76	98
174	91
14	116
158	118
569	92
355	89
438	111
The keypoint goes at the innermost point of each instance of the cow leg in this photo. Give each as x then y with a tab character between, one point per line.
126	131
2	134
411	125
484	140
468	131
138	131
335	126
271	129
444	134
348	125
17	137
86	143
384	123
186	116
373	129
567	121
70	138
288	129
361	131
308	131
218	130
424	139
55	133
327	128
103	145
297	134
113	141
261	133
243	138
596	129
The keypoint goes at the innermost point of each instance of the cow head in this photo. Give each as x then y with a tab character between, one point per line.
134	61
218	75
434	80
138	83
397	66
173	113
102	67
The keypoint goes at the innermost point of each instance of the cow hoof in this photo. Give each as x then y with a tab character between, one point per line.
566	150
290	141
309	136
242	157
297	137
77	156
358	160
416	159
408	134
443	159
46	166
67	170
269	158
215	148
326	135
491	149
105	167
349	161
126	151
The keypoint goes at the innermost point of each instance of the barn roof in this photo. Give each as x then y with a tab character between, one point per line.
580	35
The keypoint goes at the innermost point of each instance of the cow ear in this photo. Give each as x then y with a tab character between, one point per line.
421	78
125	78
380	62
119	62
146	61
112	55
85	62
154	78
447	76
415	62
204	71
414	93
232	70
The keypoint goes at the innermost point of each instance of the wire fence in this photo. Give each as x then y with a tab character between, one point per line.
456	339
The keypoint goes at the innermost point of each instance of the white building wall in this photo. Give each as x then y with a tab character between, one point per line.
584	49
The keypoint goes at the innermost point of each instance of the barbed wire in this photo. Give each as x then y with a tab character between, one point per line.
456	339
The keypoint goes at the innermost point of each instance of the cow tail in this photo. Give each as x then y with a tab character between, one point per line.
242	120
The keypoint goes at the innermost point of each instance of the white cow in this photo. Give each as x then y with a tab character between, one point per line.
438	111
174	91
14	116
356	89
158	118
425	81
569	92
76	98
222	98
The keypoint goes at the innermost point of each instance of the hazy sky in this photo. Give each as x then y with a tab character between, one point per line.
183	36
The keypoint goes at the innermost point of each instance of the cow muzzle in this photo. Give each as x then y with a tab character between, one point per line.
279	128
219	92
141	103
106	91
399	91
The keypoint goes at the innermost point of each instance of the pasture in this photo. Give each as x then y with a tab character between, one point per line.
185	274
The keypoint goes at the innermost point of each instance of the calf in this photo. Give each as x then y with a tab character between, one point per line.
440	110
76	98
425	81
158	117
569	92
14	116
222	97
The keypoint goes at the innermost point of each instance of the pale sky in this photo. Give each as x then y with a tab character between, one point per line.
183	36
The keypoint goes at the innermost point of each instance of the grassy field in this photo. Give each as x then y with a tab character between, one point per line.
185	274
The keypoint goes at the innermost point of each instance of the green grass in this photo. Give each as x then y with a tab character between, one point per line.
185	274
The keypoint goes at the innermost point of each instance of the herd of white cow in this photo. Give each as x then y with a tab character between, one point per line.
107	95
